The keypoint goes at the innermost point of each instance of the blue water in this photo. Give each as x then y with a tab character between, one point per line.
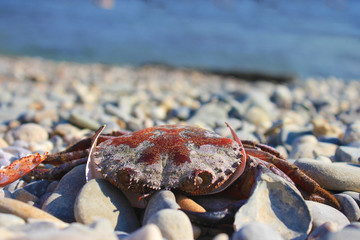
302	37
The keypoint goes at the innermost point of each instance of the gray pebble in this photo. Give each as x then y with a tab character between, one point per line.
83	121
163	199
354	195
37	188
347	233
30	132
256	230
7	220
4	193
61	202
99	199
322	213
147	232
210	113
332	176
352	133
347	154
173	224
349	207
25	196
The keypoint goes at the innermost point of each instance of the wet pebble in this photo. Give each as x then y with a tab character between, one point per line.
99	199
61	202
332	176
173	224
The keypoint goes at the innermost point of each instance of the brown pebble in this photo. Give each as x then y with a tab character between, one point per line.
188	204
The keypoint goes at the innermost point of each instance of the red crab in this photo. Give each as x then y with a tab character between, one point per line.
188	159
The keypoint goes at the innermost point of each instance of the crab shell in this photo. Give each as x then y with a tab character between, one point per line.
193	160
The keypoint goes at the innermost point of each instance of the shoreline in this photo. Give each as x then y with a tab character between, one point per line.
45	106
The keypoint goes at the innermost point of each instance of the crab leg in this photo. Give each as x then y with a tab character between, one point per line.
299	177
20	168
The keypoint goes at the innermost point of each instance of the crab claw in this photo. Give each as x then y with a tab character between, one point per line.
20	168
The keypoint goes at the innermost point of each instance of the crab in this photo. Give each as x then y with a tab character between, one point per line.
188	159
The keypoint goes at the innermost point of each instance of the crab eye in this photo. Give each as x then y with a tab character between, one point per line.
125	176
203	179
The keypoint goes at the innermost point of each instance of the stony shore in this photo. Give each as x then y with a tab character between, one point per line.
46	106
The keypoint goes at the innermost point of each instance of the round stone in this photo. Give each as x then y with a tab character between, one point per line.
99	199
173	224
30	132
256	230
322	213
332	176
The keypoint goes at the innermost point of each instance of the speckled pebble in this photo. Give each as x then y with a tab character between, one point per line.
173	224
99	199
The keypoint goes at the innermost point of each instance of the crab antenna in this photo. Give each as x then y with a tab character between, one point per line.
90	171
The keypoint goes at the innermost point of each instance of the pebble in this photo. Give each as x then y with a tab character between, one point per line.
321	231
61	202
147	232
160	200
347	154
173	224
332	176
83	121
256	230
30	132
354	195
322	213
349	207
352	133
25	211
275	202
188	204
25	196
210	113
99	199
8	220
347	233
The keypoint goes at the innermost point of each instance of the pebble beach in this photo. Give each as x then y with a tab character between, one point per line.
46	106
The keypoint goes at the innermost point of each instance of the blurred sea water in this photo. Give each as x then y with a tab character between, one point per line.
301	37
